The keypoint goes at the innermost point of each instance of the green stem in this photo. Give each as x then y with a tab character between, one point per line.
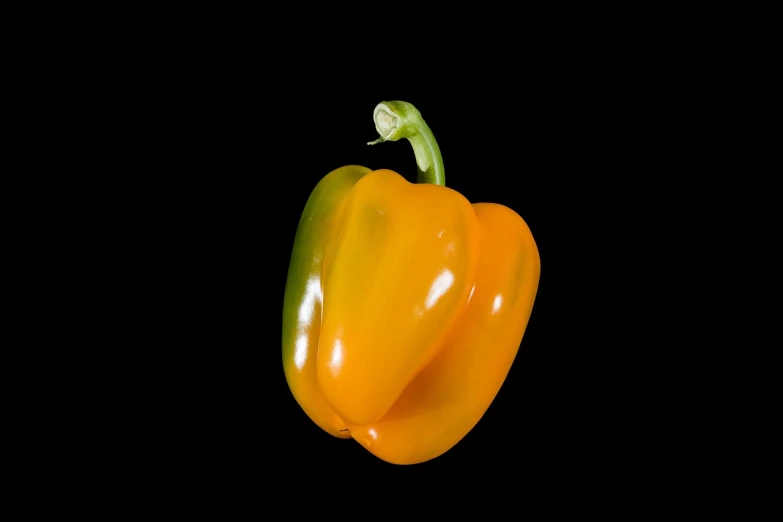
399	119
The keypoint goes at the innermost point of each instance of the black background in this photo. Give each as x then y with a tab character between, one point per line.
216	171
183	155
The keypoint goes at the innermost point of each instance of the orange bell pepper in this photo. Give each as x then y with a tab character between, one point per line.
405	305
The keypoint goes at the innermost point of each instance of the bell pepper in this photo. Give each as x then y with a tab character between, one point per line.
405	304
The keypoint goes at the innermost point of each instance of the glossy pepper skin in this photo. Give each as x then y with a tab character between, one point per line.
404	309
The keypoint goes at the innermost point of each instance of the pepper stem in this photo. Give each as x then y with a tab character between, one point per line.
399	119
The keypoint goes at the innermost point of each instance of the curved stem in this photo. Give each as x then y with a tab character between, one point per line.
399	119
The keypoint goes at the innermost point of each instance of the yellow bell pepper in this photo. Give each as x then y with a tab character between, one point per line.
405	305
